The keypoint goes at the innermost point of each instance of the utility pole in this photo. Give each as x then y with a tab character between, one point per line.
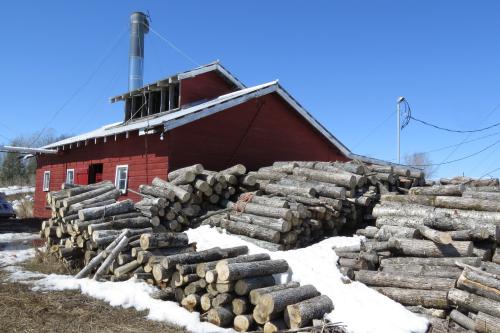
398	117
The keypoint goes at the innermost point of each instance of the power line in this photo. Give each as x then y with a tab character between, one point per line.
389	116
453	130
462	158
489	173
462	142
469	135
173	46
80	88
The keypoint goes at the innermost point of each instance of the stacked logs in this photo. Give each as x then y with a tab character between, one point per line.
85	219
230	287
295	204
234	289
189	193
419	246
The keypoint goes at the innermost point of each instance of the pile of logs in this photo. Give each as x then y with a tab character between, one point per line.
230	287
435	251
85	219
295	204
189	193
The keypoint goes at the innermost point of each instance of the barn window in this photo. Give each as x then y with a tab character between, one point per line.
121	178
46	181
70	176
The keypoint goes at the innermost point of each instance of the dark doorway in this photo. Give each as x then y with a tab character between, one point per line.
95	173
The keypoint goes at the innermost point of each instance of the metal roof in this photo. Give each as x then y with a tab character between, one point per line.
213	66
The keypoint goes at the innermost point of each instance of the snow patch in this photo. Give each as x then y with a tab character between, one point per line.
14	190
130	294
362	309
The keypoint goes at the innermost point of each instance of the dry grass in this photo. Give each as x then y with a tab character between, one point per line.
24	209
23	310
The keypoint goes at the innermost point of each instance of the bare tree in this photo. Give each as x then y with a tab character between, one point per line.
14	169
421	161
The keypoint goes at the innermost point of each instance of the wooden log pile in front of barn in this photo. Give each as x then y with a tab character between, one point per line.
295	204
435	251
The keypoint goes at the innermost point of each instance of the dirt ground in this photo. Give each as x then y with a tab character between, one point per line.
24	310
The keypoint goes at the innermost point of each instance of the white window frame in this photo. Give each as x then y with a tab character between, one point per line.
72	171
46	181
117	181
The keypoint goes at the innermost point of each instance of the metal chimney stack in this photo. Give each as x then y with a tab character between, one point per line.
139	26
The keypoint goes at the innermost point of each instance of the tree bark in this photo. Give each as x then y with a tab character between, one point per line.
163	240
482	195
472	261
110	258
271	304
423	270
451	190
87	195
474	303
180	193
238	271
274	326
280	225
480	283
423	248
105	211
157	192
245	286
426	298
382	279
462	319
98	258
222	299
130	223
309	192
387	231
251	230
435	236
446	202
322	176
484	323
460	225
414	210
301	314
203	256
262	210
255	294
127	268
220	316
203	267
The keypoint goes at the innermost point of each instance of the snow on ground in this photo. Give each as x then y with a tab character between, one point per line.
362	309
16	247
16	189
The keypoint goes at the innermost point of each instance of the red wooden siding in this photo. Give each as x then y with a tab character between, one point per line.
146	157
205	86
244	134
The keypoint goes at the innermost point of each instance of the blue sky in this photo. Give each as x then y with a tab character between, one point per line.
347	62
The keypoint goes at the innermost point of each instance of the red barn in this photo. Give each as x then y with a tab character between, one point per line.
205	116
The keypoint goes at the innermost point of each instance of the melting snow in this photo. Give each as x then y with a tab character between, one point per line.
362	309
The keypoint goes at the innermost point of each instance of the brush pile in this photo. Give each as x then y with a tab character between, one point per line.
295	204
435	251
